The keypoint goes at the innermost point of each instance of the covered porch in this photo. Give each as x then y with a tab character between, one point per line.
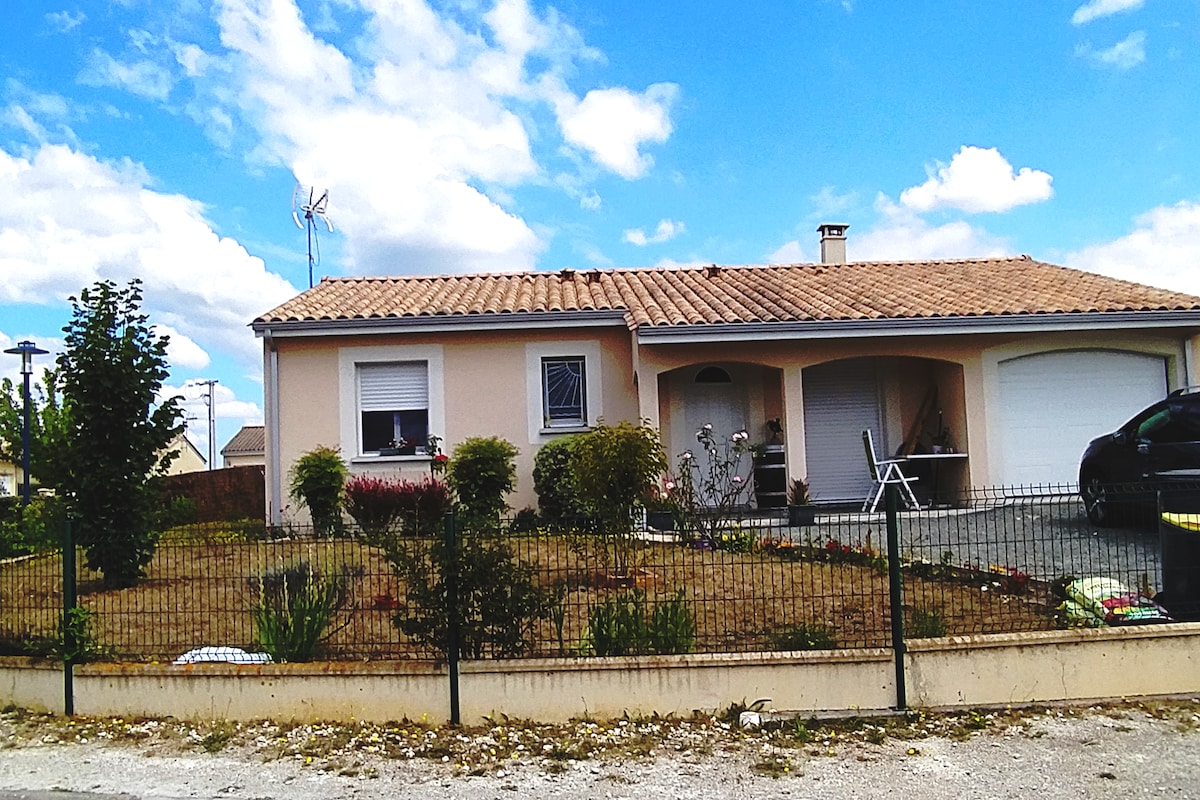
915	408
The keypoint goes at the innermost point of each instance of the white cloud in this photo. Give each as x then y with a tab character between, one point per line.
1125	54
902	235
977	180
828	203
1162	250
65	21
181	350
143	78
418	130
788	253
612	125
70	220
667	229
1095	9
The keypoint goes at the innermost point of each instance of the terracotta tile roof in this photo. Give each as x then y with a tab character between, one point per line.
250	439
741	294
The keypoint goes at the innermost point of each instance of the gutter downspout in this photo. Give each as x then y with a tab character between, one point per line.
271	421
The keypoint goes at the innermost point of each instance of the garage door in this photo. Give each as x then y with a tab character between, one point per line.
1053	404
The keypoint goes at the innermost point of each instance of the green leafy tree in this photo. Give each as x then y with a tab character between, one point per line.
614	467
49	428
111	372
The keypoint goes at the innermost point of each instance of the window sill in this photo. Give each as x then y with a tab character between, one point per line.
565	429
375	459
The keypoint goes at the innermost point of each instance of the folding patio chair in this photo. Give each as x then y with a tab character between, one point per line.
884	472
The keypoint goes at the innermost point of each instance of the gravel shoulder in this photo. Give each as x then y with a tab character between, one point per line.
1105	751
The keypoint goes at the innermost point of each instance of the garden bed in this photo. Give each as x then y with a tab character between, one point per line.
201	593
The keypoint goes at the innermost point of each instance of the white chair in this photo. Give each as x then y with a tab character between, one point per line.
883	473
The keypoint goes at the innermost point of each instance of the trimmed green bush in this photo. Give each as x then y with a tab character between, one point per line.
481	473
558	500
317	480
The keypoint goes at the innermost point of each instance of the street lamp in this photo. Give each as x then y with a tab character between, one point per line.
26	350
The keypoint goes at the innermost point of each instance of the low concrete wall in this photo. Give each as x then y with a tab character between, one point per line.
1054	665
953	671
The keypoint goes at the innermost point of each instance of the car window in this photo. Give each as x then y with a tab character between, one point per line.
1175	423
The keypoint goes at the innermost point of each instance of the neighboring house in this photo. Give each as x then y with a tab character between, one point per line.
187	459
1018	361
246	448
10	478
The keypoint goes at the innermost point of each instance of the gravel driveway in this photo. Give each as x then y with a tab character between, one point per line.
1101	752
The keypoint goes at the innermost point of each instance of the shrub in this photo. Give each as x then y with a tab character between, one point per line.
672	627
378	505
621	626
525	521
373	503
317	480
481	473
613	468
926	623
34	528
498	599
558	500
803	636
295	606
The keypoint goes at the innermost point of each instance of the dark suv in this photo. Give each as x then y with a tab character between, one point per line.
1159	446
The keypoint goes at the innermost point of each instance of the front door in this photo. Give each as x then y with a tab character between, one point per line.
711	396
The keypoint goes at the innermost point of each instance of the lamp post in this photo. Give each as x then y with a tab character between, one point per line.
26	350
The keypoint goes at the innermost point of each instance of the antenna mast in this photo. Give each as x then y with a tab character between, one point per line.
310	203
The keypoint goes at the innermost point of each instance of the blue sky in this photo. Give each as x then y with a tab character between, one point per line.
163	140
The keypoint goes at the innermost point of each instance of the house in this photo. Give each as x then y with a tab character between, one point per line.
11	477
246	448
187	457
1013	362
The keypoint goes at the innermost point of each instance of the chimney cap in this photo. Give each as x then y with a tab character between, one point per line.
832	229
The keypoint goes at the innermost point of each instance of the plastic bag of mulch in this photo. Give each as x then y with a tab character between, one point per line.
1095	602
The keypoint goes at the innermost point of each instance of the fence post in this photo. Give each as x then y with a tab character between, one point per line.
450	529
68	628
896	591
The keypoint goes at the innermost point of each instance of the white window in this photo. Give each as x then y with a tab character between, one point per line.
393	404
564	391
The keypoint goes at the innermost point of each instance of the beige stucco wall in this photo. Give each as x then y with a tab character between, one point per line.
485	387
967	671
483	391
244	460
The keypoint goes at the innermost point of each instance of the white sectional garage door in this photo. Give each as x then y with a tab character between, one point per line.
1053	404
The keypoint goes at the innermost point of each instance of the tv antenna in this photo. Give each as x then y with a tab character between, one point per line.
310	203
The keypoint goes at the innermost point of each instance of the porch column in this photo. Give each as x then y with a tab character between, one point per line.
647	394
793	422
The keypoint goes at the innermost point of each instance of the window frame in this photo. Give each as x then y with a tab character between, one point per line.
536	353
351	412
579	420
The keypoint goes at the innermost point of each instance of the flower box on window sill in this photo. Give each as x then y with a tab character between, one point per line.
560	429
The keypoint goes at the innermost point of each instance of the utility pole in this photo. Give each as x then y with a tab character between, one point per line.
210	401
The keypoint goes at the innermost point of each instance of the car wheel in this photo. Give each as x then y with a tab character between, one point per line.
1096	501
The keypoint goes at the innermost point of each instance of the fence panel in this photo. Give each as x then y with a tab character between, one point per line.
987	562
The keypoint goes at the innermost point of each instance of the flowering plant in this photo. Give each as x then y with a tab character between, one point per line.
715	482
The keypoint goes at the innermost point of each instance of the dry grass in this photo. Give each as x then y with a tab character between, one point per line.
201	594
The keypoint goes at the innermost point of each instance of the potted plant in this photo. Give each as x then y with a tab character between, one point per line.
801	509
661	507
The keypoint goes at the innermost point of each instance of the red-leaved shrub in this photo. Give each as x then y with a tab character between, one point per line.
380	505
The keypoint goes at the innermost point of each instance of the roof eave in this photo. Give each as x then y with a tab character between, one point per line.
921	326
441	323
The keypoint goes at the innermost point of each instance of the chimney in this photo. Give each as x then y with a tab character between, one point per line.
833	242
